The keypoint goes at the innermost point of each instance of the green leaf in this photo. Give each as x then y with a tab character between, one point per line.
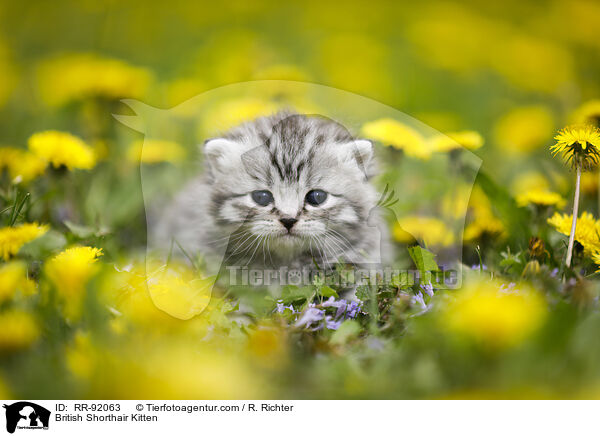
84	232
327	292
514	217
347	330
423	259
45	245
292	293
401	281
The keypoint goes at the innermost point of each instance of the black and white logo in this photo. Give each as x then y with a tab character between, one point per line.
26	415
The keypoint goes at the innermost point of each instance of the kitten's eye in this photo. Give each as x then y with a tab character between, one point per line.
262	198
316	197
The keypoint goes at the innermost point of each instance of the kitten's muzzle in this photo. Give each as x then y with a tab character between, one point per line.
288	223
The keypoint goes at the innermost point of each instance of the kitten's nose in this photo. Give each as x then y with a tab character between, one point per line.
288	222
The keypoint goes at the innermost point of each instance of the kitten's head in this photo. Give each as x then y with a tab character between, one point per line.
292	182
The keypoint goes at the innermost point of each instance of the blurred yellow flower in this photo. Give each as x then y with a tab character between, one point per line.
170	369
529	181
541	198
483	224
80	355
13	277
455	201
524	129
18	330
152	151
587	113
69	272
587	232
61	148
72	77
468	139
268	345
22	166
596	259
494	314
13	238
482	220
179	291
397	135
578	145
156	298
230	113
433	231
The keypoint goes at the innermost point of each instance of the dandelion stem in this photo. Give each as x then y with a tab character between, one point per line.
574	223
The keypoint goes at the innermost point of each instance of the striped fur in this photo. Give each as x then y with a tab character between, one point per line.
289	155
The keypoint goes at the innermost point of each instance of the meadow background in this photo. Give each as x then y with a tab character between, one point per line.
78	317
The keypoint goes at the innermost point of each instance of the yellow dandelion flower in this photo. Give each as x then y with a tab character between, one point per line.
178	292
433	231
73	77
71	269
528	181
587	231
23	166
578	146
482	219
174	369
154	151
13	277
26	167
587	113
494	314
61	148
397	135
80	355
596	259
18	330
468	139
69	272
541	198
267	344
13	238
7	156
483	224
524	129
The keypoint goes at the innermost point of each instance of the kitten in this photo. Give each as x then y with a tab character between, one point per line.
283	190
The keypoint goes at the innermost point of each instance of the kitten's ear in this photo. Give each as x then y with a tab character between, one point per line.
221	154
359	151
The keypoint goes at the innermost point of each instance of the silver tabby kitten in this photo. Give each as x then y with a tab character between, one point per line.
284	190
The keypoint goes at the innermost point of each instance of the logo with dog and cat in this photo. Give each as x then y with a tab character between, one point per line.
24	415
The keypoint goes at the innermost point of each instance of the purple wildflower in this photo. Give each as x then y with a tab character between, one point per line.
311	315
428	288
